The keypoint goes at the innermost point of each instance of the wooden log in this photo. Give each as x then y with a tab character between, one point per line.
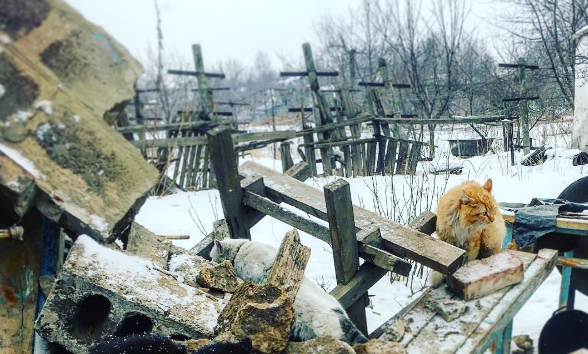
223	158
344	243
285	155
401	159
288	268
300	171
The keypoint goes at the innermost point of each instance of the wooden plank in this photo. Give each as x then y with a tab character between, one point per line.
310	155
181	126
286	156
413	159
371	157
345	142
428	332
347	158
426	222
196	167
401	158
356	160
201	140
391	156
563	225
367	275
446	121
270	208
205	168
344	243
300	171
503	312
288	269
223	159
399	240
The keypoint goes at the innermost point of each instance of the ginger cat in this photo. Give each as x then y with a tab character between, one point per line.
468	217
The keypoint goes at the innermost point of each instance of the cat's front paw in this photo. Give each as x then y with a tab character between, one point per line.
436	279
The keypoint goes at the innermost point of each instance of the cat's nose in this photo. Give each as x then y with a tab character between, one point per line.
491	218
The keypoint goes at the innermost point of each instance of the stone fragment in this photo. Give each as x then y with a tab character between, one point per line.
220	276
395	332
263	313
524	342
101	292
319	345
187	267
195	344
483	277
450	309
144	243
379	346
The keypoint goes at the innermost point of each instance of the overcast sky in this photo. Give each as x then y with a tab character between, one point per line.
228	28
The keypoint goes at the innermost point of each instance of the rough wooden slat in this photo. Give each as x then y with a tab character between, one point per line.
448	121
438	336
347	159
503	312
276	211
391	156
399	240
413	159
201	140
401	158
310	154
286	156
371	157
168	126
223	159
426	222
299	171
344	243
205	168
367	275
288	268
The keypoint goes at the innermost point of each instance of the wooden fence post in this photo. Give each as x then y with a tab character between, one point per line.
222	154
286	156
344	243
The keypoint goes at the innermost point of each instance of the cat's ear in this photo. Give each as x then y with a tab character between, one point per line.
488	185
464	198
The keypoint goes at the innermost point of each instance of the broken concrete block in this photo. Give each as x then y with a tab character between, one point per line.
524	342
395	332
379	346
102	292
450	309
319	345
263	313
144	243
483	277
221	277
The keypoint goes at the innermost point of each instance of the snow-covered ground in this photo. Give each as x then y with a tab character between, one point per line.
399	198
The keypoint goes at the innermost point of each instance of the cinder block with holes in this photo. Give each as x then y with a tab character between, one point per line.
102	292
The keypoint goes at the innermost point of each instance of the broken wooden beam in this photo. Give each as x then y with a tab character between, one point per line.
288	269
401	241
201	140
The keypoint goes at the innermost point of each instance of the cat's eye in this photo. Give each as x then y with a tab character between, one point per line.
484	213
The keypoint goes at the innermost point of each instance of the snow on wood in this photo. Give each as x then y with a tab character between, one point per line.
482	277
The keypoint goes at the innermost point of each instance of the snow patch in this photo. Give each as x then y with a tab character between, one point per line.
98	223
177	260
45	106
42	130
22	116
22	161
5	39
2	89
76	118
